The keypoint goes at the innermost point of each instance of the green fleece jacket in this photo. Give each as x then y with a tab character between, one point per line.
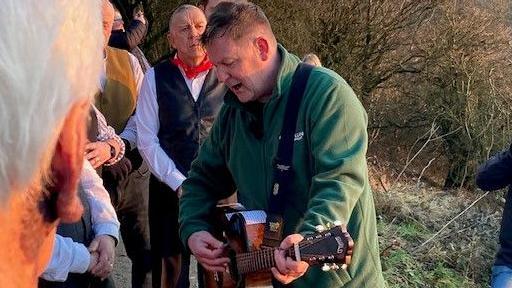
330	181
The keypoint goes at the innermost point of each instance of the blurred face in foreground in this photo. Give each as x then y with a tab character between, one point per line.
28	221
44	101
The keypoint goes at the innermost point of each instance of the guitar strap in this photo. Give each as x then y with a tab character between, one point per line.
283	170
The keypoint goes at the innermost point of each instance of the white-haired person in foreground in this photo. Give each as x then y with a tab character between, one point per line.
44	100
83	252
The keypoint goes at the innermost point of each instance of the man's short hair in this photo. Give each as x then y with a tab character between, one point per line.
234	20
205	2
179	10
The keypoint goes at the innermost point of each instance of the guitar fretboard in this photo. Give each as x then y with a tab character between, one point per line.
258	260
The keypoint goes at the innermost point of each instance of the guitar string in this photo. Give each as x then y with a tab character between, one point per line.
247	262
256	260
251	253
290	251
263	258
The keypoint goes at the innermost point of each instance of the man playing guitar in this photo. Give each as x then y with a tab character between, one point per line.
329	174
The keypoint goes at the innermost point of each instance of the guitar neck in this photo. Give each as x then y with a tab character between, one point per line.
259	260
326	247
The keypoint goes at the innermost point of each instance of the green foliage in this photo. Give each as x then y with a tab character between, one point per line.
401	269
411	231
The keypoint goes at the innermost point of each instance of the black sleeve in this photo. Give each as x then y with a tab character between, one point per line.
496	173
129	39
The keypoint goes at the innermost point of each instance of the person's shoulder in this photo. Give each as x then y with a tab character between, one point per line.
162	62
133	59
326	83
150	74
166	69
114	50
116	54
327	77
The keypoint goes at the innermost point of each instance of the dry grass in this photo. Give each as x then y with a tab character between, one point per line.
460	256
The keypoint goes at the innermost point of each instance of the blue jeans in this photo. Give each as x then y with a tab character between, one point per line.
501	277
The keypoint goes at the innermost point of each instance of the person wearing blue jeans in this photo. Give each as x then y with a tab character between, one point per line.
496	174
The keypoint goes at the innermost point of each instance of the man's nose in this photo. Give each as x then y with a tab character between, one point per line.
222	75
195	32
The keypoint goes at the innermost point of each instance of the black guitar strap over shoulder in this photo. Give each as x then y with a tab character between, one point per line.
283	170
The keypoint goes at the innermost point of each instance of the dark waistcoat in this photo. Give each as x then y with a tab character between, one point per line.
185	123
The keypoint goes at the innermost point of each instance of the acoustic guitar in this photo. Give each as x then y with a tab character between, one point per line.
250	262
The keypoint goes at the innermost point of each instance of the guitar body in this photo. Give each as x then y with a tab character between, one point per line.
241	237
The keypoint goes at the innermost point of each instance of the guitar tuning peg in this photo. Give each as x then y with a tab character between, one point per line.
329	225
326	267
337	223
335	267
319	228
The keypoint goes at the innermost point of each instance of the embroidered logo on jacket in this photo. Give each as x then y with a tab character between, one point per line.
298	136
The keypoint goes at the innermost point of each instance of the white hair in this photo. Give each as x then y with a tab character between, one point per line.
50	57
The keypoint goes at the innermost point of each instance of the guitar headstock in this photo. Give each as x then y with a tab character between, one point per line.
330	246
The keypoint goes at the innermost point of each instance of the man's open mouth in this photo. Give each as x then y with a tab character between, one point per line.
236	87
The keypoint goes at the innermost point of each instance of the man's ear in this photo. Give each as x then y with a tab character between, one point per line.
170	39
67	163
263	48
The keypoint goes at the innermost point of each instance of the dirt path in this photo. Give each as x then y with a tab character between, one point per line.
122	269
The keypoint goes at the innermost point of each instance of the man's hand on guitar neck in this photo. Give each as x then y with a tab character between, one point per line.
208	251
287	269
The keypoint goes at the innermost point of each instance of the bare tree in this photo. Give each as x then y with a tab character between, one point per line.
465	83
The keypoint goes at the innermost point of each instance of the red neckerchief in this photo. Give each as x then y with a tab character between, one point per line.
192	72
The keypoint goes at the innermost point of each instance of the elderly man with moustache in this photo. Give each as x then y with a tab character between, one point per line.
329	181
179	99
44	102
127	181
